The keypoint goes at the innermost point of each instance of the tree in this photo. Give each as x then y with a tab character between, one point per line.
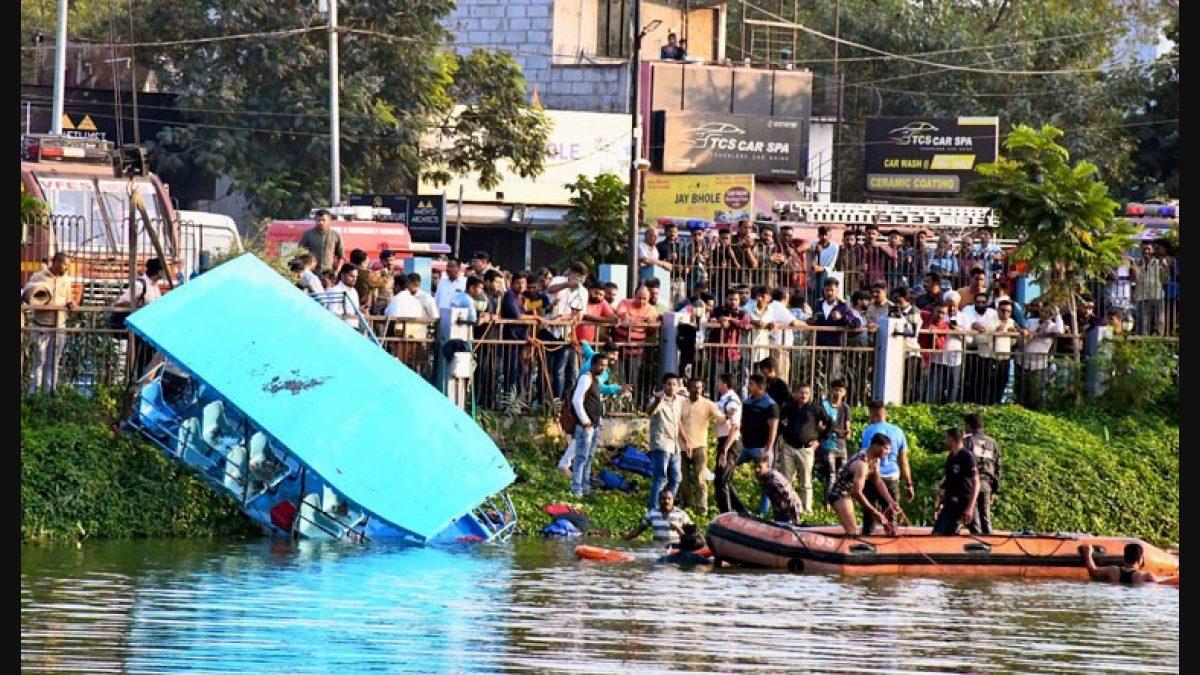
983	34
1061	215
258	105
596	229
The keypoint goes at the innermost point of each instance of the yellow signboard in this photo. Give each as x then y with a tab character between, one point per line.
87	124
66	122
724	198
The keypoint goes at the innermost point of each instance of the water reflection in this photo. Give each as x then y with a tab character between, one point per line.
323	607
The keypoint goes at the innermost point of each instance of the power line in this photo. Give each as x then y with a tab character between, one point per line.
206	40
1054	38
926	62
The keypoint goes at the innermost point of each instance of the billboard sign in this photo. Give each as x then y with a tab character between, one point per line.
585	143
699	142
930	155
420	213
721	198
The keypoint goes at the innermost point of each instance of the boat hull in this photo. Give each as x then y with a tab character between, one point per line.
753	542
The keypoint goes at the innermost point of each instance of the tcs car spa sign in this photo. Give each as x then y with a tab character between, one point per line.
722	199
702	142
928	154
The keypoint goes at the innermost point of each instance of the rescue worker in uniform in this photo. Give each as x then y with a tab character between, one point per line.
987	458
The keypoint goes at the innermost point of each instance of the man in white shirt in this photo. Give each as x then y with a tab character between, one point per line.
50	287
783	334
147	292
1034	361
729	444
342	297
760	323
1003	329
453	282
588	407
979	320
569	302
648	255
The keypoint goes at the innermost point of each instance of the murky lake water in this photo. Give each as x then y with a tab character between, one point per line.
277	606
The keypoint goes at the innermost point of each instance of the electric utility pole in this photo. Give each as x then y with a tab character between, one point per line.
60	70
335	137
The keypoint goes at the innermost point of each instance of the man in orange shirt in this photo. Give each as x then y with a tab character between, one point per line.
637	310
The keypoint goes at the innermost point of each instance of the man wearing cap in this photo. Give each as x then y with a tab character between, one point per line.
54	287
324	242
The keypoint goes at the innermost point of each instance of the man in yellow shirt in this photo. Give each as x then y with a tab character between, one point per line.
698	413
49	288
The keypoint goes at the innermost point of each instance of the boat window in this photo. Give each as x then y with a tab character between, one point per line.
862	547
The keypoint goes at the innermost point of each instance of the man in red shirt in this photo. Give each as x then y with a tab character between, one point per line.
597	311
638	311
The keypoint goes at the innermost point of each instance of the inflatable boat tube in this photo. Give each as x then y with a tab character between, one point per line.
753	542
598	554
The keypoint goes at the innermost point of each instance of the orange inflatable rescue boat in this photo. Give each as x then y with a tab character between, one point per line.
754	542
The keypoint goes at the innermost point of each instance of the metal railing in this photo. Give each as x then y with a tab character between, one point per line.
521	365
413	341
84	354
950	367
818	356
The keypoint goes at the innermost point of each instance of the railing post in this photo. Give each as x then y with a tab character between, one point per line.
447	376
1091	365
668	350
888	385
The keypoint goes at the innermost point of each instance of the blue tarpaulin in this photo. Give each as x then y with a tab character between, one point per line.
353	413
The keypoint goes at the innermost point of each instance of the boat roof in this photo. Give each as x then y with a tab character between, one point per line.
375	430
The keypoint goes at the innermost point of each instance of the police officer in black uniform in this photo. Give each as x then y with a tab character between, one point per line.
987	458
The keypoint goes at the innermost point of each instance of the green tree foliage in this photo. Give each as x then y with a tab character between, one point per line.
258	106
596	230
1153	124
985	34
1061	214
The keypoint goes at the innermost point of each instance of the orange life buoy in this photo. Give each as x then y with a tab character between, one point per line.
598	554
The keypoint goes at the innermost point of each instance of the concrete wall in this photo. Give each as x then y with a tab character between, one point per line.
555	43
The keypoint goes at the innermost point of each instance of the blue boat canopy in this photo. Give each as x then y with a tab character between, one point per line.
357	416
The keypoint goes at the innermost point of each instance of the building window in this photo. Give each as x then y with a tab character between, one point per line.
612	34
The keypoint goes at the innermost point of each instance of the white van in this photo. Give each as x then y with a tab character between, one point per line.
202	231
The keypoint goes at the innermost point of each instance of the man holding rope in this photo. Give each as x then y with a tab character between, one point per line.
892	466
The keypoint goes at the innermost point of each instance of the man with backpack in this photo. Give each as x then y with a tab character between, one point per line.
987	457
588	409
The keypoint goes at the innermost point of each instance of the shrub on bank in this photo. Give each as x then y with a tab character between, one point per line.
1061	473
80	481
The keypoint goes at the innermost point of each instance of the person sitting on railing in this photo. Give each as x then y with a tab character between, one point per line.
648	255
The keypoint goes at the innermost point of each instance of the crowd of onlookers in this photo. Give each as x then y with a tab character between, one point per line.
742	293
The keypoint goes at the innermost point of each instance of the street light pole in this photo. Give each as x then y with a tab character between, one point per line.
335	138
60	70
635	145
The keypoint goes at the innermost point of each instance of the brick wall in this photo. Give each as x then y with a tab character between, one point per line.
525	28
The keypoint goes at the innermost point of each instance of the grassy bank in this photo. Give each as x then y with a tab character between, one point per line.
78	481
1093	472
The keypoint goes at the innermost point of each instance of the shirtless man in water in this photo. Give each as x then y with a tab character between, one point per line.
1128	573
852	478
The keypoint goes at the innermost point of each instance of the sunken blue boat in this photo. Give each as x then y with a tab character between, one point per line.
311	427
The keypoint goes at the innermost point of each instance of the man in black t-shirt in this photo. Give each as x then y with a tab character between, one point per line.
776	388
959	490
760	421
